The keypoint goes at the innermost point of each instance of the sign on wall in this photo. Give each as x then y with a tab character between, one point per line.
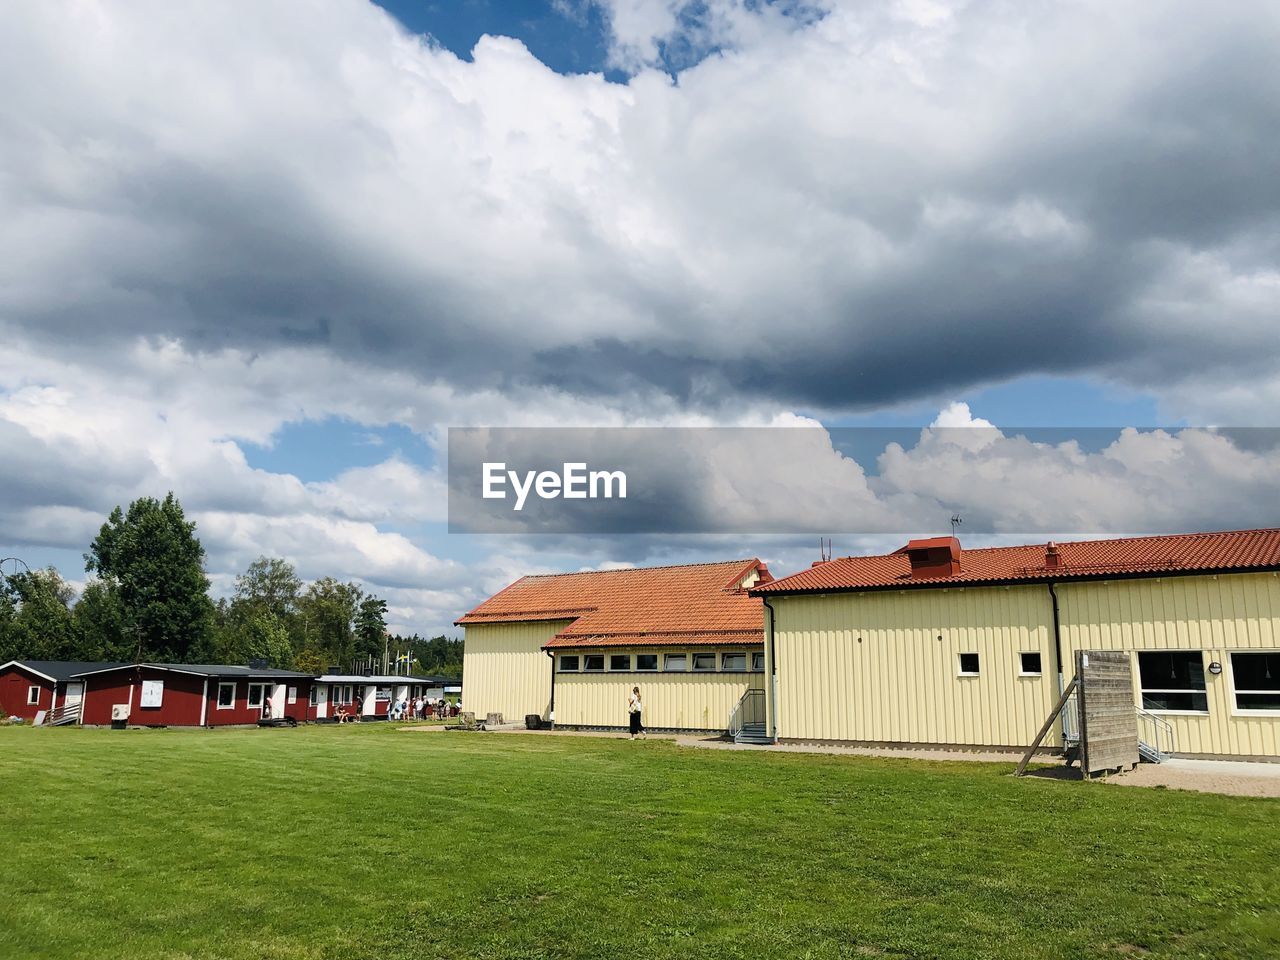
152	693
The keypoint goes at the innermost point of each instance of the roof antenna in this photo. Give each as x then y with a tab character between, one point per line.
824	549
955	522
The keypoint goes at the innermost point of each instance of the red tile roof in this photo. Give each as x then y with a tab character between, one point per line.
692	605
1229	551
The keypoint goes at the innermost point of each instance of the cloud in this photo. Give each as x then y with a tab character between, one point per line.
848	205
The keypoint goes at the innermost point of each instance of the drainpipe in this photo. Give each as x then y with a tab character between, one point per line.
773	676
1057	636
551	714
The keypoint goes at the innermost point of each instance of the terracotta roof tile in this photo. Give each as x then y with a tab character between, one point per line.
693	604
1227	551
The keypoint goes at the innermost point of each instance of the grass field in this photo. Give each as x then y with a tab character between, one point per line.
365	842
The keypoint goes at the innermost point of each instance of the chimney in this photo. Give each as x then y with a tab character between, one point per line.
936	557
1052	558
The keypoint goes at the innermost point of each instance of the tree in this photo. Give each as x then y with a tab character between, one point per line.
37	618
270	584
371	627
327	609
99	624
440	655
267	639
153	559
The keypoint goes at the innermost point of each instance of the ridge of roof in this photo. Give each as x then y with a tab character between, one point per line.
661	566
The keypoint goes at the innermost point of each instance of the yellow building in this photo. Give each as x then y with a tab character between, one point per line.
934	644
571	647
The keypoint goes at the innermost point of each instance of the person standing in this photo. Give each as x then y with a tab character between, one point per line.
635	707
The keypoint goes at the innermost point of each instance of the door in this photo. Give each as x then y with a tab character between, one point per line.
74	697
322	700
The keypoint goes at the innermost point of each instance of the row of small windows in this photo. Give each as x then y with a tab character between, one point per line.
648	662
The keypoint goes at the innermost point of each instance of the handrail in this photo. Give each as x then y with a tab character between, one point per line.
745	711
1161	738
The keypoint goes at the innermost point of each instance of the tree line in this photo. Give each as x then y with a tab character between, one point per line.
148	600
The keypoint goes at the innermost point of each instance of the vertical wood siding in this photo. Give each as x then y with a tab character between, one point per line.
678	701
504	669
870	666
1215	615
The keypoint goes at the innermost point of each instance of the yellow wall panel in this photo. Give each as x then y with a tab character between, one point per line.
679	701
505	671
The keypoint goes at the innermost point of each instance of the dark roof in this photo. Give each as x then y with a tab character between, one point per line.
61	670
205	670
1231	551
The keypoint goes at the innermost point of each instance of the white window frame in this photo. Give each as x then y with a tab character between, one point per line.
657	663
291	695
1022	671
626	669
666	663
724	662
961	671
33	695
217	701
1249	711
1142	691
698	669
249	696
599	669
577	663
314	698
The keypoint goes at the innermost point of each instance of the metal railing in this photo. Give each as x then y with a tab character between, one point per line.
1071	722
750	709
1155	733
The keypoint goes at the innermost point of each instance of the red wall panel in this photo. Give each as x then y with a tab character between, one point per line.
14	684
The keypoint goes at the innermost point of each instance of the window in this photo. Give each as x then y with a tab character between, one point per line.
1030	663
293	695
1257	680
733	661
257	693
676	663
315	696
757	661
593	661
704	661
969	665
568	663
33	696
226	696
620	661
1173	680
646	661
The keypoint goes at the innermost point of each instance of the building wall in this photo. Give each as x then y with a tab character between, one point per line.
870	666
504	669
179	704
1215	615
675	701
14	684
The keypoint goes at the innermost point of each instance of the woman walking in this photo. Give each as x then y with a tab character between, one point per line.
634	708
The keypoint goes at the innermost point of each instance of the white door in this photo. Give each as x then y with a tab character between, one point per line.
74	696
277	700
322	700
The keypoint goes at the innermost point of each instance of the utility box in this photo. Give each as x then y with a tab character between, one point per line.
119	716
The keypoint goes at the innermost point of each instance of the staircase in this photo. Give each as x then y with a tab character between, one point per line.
747	722
67	713
1155	734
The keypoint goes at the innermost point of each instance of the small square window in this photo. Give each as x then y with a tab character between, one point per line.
733	661
620	661
676	663
568	663
255	694
704	661
315	696
1030	663
969	665
646	661
593	661
757	661
226	696
33	696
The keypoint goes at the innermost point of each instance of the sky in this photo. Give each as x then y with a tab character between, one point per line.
265	254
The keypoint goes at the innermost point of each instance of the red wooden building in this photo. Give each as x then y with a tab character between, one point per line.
187	695
28	687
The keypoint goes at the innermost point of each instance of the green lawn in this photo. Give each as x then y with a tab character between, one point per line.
365	842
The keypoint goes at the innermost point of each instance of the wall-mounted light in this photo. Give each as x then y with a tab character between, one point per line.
1215	668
